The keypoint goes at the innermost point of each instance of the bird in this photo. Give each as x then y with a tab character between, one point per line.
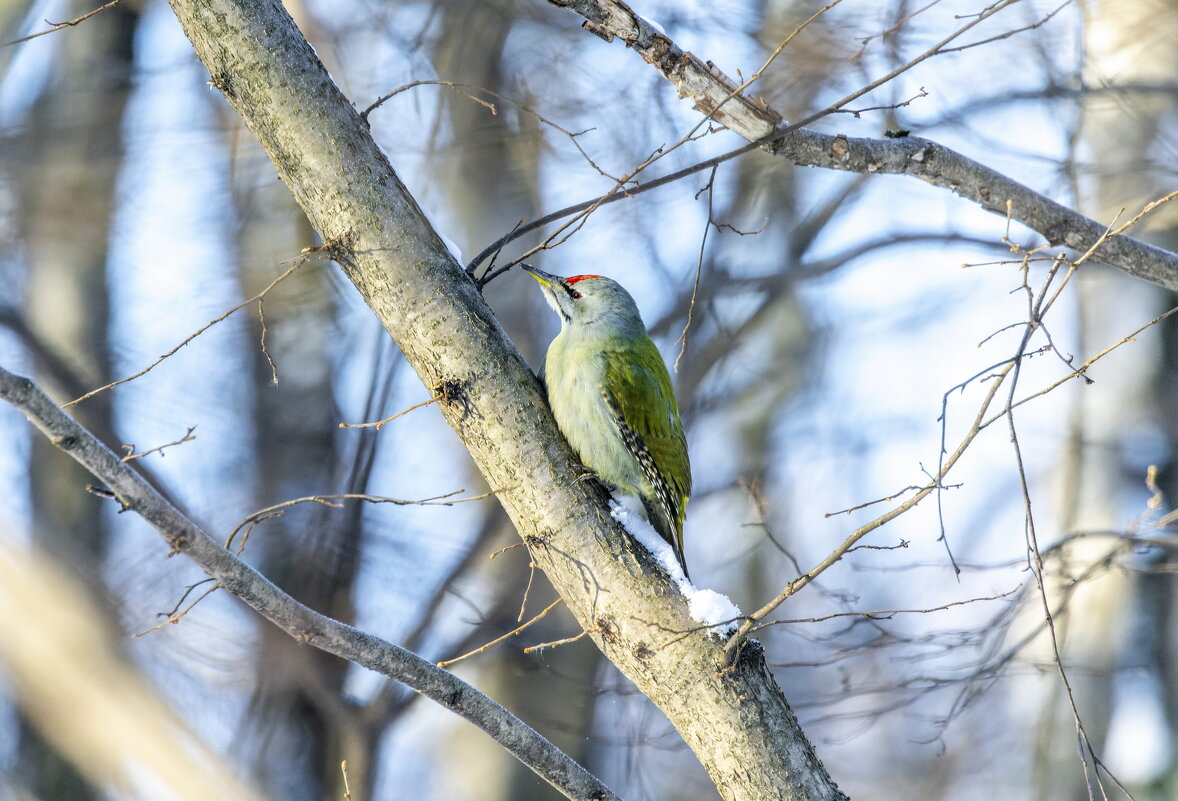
612	398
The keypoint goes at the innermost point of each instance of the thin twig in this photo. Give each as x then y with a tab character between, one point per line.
699	267
299	261
554	643
858	112
380	423
1082	370
130	449
885	499
1036	557
1153	204
457	87
176	617
497	640
1032	26
614	196
523	604
838	553
885	614
262	342
57	26
511	547
331	501
465	90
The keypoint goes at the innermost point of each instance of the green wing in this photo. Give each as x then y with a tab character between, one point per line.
640	395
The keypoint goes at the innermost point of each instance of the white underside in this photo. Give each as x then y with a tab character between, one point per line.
581	413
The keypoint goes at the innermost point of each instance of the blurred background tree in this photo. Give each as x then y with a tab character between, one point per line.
830	319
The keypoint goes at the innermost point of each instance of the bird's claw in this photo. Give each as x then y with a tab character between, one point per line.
582	473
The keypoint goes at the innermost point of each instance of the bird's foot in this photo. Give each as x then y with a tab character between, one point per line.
583	472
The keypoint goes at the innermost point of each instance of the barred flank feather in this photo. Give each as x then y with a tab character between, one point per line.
666	509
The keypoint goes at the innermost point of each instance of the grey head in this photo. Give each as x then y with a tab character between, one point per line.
590	304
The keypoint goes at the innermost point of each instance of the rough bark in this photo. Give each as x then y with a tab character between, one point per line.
736	721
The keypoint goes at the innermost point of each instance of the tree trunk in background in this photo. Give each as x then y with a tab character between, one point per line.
1129	45
1092	484
65	163
69	159
1157	601
488	187
1112	630
303	725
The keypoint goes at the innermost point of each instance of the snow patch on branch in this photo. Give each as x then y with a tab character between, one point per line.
706	607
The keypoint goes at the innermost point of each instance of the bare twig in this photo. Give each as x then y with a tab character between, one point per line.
379	423
467	91
523	604
131	454
1082	370
505	549
1030	27
262	341
298	262
838	553
612	197
57	26
858	112
757	498
460	88
1087	749
699	268
180	601
533	648
333	502
885	499
174	617
884	614
483	648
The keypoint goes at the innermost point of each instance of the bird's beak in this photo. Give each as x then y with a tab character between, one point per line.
549	284
546	279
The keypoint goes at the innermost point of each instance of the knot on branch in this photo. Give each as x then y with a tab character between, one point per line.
599	31
607	628
455	395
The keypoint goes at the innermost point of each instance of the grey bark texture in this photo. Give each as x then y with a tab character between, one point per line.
736	721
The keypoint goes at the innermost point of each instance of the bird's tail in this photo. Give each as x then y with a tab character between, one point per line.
668	528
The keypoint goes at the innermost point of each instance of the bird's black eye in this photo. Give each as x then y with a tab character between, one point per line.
576	295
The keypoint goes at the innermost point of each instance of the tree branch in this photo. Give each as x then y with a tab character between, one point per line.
914	156
297	620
